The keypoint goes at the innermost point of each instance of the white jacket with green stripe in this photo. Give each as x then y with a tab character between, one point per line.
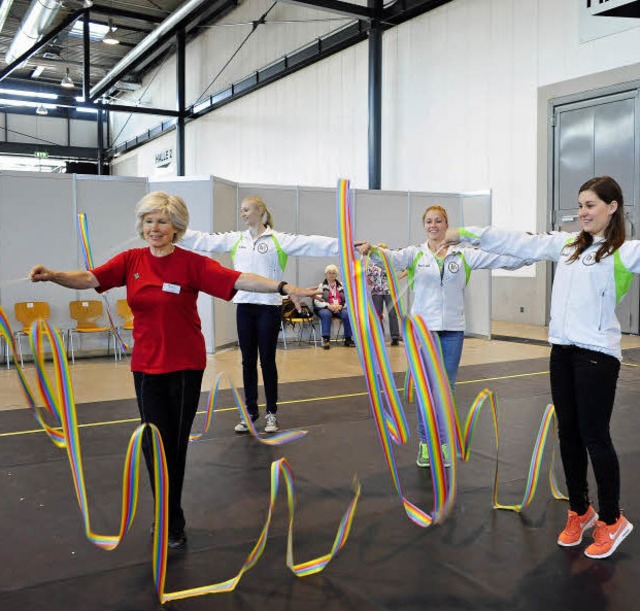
439	294
266	255
584	294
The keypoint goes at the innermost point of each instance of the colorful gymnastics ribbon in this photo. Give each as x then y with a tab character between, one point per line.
435	401
87	256
60	404
271	440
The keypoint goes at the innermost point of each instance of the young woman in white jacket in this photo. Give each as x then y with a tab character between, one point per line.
438	276
593	273
259	250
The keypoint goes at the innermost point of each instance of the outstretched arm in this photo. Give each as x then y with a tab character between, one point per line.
77	279
259	284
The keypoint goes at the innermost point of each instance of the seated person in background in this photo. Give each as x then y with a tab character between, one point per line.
379	287
333	304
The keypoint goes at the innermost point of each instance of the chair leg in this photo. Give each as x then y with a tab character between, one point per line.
73	358
284	334
19	338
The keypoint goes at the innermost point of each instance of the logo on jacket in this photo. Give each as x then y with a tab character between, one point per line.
262	247
589	259
453	267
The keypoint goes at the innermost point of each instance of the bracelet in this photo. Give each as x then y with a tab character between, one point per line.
281	287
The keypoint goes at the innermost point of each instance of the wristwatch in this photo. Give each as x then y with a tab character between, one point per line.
281	287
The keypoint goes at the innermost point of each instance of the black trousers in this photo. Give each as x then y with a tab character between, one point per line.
258	328
583	387
170	401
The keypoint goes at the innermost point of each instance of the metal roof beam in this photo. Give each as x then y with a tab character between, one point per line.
165	31
40	44
348	9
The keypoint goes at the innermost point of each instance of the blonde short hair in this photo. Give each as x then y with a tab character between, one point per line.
172	206
330	268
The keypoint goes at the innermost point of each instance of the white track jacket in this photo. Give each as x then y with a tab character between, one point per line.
584	294
439	295
266	255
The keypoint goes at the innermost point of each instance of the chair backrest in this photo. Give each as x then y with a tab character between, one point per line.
28	311
124	311
86	313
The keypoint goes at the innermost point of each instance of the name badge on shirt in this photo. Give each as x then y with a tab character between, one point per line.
171	288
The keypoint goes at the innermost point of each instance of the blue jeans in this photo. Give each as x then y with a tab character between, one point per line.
451	344
326	316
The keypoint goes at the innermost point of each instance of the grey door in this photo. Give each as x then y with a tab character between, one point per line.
594	137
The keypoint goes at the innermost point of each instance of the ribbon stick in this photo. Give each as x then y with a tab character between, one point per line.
426	383
87	256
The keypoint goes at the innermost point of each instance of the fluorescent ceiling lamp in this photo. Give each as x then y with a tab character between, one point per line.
97	31
37	71
29	94
25	103
93	110
10	162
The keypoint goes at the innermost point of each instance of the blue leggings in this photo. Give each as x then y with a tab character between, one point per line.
451	343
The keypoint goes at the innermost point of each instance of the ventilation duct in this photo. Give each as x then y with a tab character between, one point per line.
34	25
165	28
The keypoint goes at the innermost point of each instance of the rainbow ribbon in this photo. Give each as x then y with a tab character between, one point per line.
60	403
272	440
87	256
426	381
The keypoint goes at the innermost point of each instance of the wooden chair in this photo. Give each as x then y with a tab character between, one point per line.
86	314
26	313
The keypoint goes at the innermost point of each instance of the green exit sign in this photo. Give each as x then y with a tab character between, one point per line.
41	154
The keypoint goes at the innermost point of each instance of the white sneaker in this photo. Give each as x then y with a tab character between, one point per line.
272	424
242	427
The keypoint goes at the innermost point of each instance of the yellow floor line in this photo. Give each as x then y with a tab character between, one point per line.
292	402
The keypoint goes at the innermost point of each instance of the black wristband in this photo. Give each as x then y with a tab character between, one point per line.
281	287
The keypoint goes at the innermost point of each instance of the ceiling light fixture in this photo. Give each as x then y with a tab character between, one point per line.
67	81
41	110
109	38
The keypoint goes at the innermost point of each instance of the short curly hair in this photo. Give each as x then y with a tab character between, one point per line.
172	206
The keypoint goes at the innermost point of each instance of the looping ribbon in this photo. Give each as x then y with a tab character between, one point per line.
60	405
426	383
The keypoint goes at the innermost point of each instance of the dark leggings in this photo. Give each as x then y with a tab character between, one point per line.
583	387
170	401
258	328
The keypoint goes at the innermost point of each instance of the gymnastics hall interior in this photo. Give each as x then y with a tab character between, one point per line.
478	558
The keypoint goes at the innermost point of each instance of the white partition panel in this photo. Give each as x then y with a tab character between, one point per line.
109	203
225	197
381	216
36	226
316	215
476	210
197	193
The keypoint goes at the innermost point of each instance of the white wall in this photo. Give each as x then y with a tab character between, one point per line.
461	89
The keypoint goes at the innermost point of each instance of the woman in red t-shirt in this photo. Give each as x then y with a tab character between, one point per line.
168	358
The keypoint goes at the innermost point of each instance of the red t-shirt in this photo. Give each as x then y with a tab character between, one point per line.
162	293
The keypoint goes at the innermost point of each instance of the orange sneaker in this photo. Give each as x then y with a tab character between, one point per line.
607	537
576	525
